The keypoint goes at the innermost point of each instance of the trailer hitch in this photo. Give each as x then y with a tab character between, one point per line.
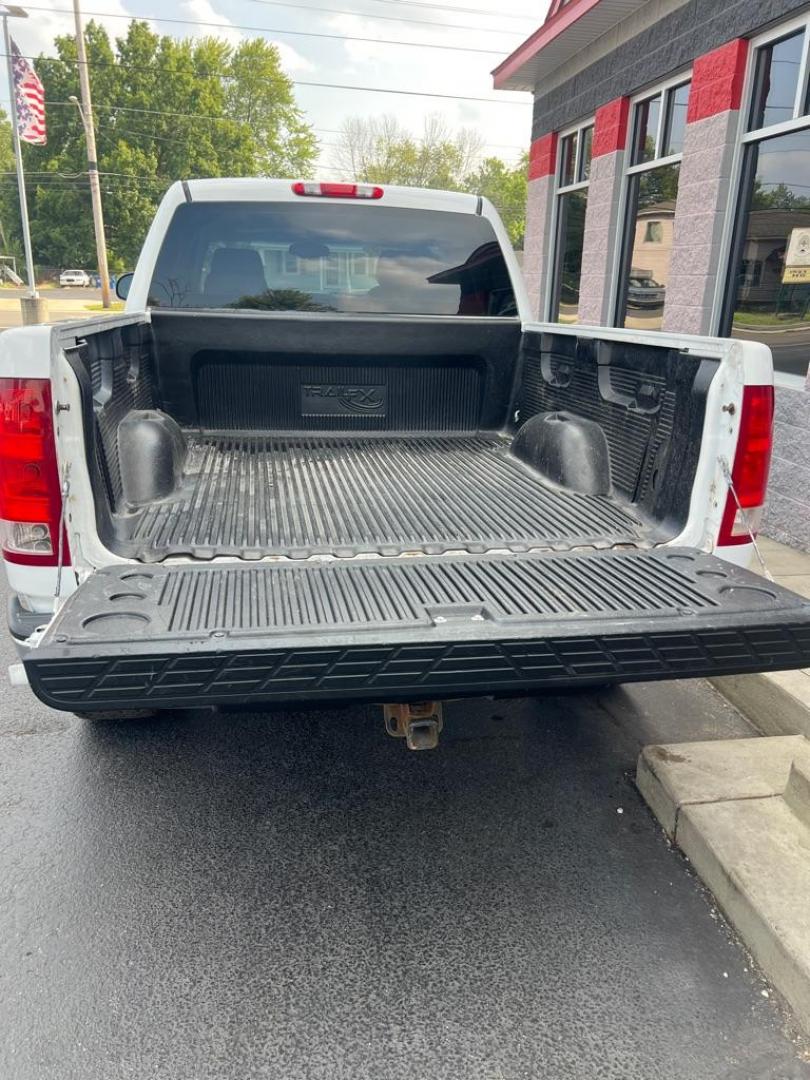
418	723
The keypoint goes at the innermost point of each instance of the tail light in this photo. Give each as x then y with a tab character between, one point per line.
752	463
30	498
337	191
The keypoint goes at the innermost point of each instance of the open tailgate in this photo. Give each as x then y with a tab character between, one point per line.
407	629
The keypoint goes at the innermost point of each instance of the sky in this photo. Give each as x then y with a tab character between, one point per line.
475	36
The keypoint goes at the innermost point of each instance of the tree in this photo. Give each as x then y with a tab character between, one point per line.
10	236
506	188
165	109
259	96
380	150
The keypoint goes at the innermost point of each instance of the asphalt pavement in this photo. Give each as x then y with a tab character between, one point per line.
294	895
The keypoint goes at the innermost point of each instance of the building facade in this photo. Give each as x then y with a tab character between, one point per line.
669	186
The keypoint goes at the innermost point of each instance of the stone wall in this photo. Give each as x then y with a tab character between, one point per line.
787	517
673	42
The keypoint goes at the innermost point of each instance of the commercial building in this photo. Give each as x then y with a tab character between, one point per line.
669	186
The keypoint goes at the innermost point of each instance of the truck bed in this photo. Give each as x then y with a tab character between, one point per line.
271	464
251	495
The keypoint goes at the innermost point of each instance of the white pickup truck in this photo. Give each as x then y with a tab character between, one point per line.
326	454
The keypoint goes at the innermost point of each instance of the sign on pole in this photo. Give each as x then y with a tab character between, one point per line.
797	258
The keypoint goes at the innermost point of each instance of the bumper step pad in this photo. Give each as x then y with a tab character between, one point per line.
407	629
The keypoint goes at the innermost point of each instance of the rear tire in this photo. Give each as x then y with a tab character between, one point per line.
111	716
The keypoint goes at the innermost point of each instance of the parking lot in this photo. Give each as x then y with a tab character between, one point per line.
232	895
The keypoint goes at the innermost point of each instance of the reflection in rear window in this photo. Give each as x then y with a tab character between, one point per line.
280	256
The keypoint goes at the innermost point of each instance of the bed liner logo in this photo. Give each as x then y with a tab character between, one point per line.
342	399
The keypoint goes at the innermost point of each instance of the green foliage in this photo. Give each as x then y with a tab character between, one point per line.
658	188
777	197
506	189
280	300
380	150
244	124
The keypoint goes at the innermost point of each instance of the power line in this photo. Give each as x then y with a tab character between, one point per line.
338	86
276	30
448	7
294	82
490	146
411	93
392	18
116	130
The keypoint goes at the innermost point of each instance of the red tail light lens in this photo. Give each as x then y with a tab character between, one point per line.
30	498
337	191
752	464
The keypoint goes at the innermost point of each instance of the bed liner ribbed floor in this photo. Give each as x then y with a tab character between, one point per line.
250	496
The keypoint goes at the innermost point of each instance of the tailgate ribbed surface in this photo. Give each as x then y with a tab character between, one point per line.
356	595
253	495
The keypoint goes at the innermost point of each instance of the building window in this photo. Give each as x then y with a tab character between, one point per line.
768	284
750	274
571	204
659	123
776	80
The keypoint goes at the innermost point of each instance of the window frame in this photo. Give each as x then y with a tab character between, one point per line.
740	180
620	278
551	301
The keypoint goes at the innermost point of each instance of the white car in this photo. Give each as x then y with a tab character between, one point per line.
79	278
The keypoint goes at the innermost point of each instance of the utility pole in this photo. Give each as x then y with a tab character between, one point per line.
86	113
7	11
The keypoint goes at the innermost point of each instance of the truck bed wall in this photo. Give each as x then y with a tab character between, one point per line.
650	401
248	372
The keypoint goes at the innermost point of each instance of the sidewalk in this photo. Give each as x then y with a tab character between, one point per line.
60	308
777	702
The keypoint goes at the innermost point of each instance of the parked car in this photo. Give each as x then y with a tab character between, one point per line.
645	292
320	457
76	278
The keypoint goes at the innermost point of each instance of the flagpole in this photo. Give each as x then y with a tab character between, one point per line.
26	229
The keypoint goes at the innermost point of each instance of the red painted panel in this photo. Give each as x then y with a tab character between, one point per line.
610	127
543	156
717	81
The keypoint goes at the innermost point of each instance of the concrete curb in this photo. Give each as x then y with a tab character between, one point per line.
740	811
778	702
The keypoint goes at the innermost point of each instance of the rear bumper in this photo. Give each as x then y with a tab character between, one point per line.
399	630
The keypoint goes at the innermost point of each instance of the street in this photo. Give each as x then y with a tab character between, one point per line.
294	895
62	304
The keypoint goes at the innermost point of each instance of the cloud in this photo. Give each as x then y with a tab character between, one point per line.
204	12
291	60
35	34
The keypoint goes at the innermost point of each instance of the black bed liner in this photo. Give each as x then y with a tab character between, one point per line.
252	496
406	629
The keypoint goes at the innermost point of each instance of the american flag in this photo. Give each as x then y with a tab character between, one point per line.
30	95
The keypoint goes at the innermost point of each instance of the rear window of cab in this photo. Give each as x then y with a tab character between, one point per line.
282	256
